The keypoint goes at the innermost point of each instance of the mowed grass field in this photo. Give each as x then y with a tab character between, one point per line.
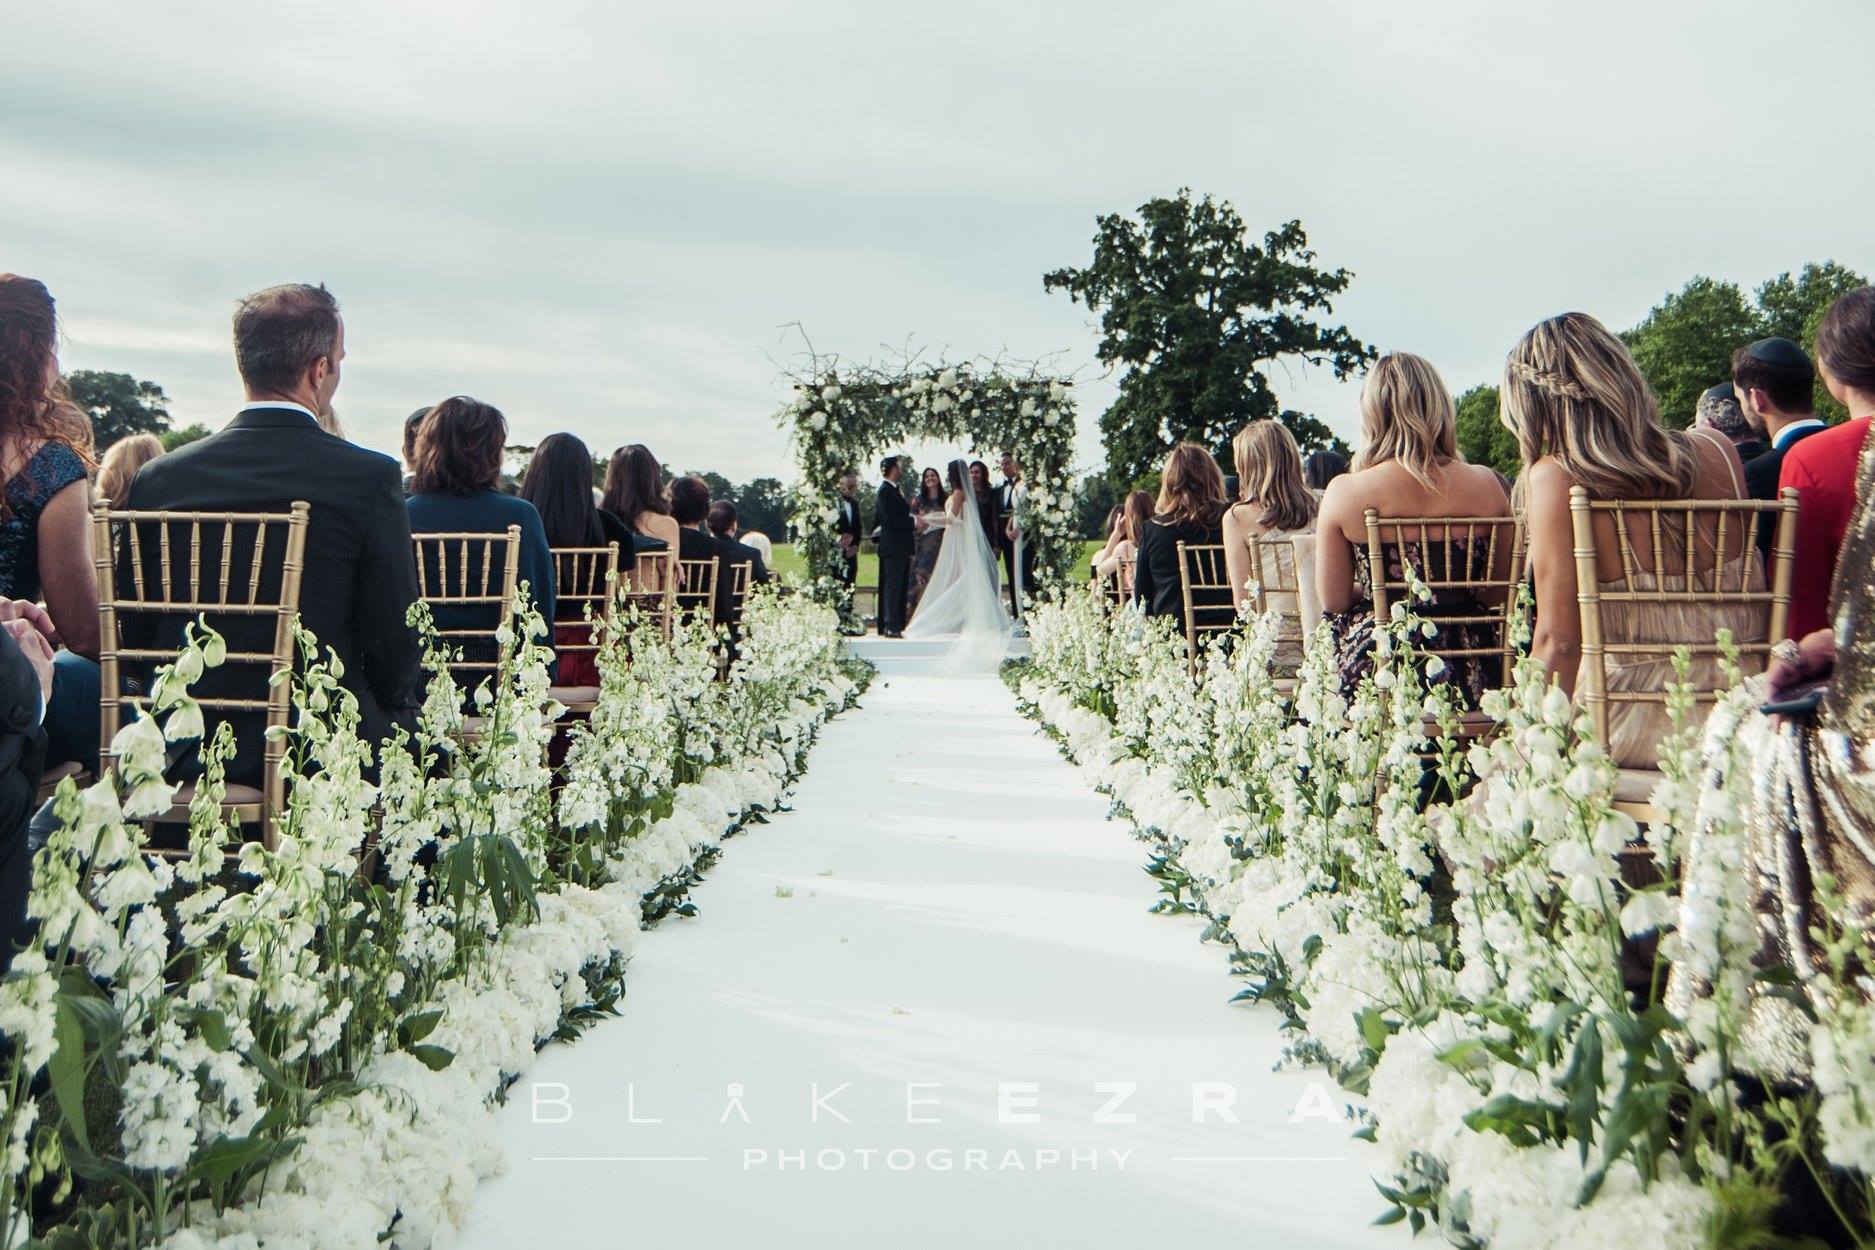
788	561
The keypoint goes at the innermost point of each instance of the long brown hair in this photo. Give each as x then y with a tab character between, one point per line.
1134	513
35	404
1269	476
1845	340
1572	391
634	485
1407	416
1191	489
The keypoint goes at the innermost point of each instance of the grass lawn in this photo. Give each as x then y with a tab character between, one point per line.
787	561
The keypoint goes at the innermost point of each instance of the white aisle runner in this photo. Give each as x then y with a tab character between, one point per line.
944	923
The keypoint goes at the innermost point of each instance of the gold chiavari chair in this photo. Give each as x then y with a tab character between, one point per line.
652	588
696	587
741	585
1446	560
1125	576
162	569
582	576
1204	583
1276	572
1712	542
475	571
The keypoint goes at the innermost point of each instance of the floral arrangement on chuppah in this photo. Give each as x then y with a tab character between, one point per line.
845	415
300	1046
1565	1032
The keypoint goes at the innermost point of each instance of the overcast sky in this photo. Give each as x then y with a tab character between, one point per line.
601	216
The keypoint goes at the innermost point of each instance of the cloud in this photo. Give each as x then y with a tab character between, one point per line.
600	217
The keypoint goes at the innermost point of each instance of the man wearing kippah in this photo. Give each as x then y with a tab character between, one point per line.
1718	411
1776	385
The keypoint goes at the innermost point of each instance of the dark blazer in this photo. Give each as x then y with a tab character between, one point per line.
990	512
732	554
360	577
1761	475
22	757
491	512
894	517
1158	579
694	544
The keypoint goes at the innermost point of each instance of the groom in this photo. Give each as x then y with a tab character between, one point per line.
894	518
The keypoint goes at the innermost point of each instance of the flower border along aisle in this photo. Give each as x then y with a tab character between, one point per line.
1471	966
300	1047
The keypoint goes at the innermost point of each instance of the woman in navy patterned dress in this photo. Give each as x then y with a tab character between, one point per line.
45	535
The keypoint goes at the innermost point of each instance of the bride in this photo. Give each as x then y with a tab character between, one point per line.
962	602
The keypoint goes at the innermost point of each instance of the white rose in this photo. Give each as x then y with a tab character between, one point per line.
830	393
817	420
947	379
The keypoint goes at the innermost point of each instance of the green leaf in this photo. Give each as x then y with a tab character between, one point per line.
67	1067
435	1058
419	1026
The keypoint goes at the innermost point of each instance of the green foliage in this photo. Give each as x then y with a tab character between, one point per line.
1685	344
1193	312
1792	307
1093	499
1482	438
118	405
173	439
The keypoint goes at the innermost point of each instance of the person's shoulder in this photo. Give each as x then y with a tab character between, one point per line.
1828	445
1547	481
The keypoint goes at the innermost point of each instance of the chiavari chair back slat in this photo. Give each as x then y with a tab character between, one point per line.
696	587
1460	559
238	565
1681	554
651	588
586	581
470	580
1204	585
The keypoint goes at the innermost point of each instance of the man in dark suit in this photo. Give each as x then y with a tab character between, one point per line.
1775	384
690	508
360	573
896	536
846	528
25	687
1021	580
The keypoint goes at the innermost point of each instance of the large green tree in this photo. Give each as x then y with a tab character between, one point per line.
1193	312
1685	344
1482	438
118	405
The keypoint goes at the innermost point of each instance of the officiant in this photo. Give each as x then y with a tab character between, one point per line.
895	537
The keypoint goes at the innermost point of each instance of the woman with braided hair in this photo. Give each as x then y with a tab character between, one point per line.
1583	416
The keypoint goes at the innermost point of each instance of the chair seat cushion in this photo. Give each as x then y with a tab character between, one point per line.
573	696
1636	785
233	794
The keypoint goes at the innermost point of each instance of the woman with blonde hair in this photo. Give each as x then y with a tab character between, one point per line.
1189	510
1409	466
1583	416
1274	503
1129	522
120	464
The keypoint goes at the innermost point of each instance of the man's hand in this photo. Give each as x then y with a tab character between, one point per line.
32	614
1010	530
38	653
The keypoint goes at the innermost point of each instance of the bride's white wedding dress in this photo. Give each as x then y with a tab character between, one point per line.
962	602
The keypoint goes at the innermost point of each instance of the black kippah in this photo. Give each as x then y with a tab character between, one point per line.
1722	391
1779	351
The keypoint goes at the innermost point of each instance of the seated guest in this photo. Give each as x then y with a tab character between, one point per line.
634	493
1823	466
1123	534
359	579
1274	503
1774	383
1409	466
1189	510
1718	410
45	512
1583	416
558	483
1323	467
456	490
721	523
690	508
121	463
26	678
412	424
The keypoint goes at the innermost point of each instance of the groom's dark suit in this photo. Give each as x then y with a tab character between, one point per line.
896	537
